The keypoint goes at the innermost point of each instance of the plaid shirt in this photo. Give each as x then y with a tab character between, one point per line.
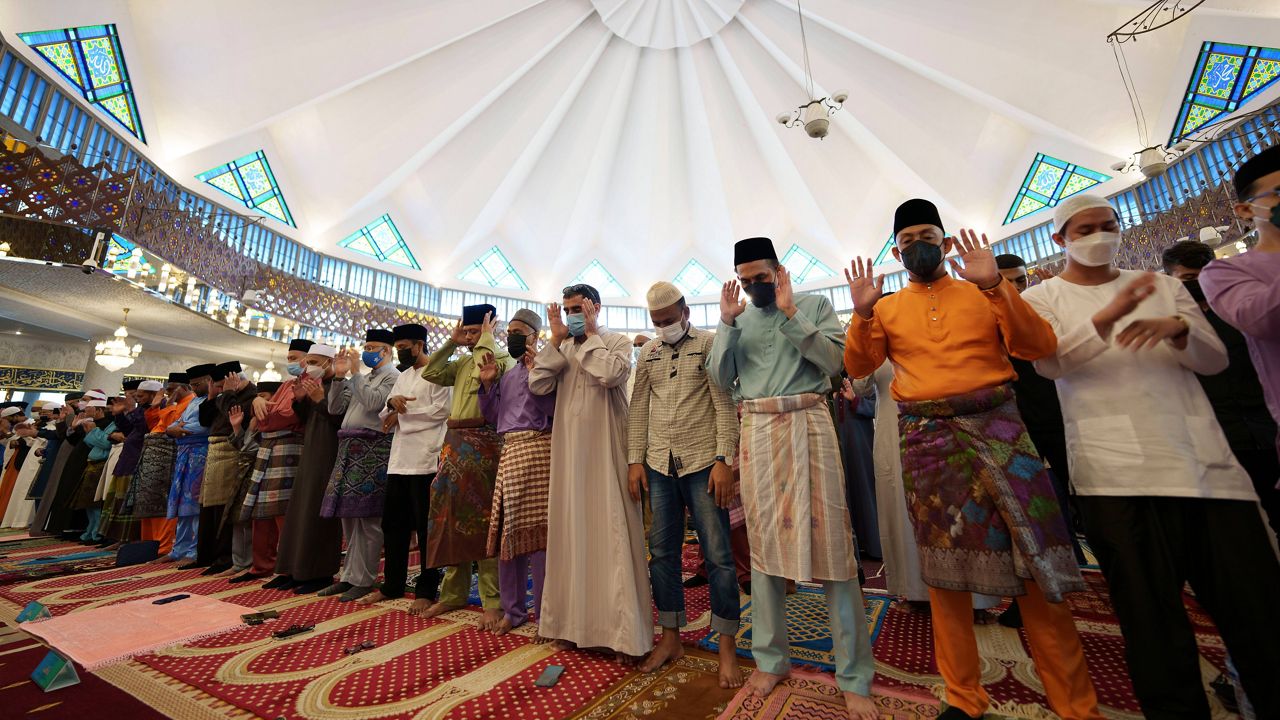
680	420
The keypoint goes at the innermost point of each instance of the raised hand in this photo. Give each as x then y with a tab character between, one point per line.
458	337
979	265
559	331
865	287
344	363
260	408
782	293
489	325
488	371
236	417
589	314
732	304
313	388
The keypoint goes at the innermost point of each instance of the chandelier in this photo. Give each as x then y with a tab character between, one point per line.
269	373
115	354
814	115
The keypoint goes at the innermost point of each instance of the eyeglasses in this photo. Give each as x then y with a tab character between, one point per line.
1270	193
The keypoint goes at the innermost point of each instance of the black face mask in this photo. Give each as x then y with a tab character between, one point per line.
517	345
1193	287
922	258
761	293
405	356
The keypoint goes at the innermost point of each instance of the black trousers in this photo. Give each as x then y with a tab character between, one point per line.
1148	548
213	547
1264	470
408	505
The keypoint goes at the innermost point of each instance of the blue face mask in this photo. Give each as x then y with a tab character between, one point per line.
294	369
577	323
371	358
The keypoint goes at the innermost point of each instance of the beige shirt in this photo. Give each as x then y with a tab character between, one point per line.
680	420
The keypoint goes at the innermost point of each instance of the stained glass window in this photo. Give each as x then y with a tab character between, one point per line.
91	58
1047	182
804	267
494	270
1226	76
597	277
380	239
886	252
695	279
251	181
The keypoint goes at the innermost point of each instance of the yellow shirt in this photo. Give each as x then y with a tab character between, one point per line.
463	374
947	338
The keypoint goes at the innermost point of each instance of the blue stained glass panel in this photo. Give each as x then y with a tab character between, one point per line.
804	267
695	279
1047	182
394	250
249	180
602	280
1225	77
91	58
493	269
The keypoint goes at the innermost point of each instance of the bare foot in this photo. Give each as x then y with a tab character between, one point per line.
730	671
374	597
860	707
560	645
502	627
490	619
625	660
667	650
539	640
435	609
762	683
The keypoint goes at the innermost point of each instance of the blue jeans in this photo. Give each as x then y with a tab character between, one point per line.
668	499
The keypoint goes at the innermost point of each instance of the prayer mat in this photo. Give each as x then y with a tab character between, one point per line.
20	653
105	635
27	558
73	564
808	696
808	627
14	534
687	689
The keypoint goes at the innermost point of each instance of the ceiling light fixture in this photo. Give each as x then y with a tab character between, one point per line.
269	373
814	115
116	354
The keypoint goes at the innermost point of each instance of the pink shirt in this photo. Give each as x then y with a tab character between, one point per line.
1245	291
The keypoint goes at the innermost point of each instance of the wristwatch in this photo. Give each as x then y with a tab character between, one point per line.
720	458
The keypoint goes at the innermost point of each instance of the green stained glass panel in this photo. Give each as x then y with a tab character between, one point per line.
273	208
1046	179
1198	116
380	239
1027	206
61	55
695	279
227	184
1264	71
493	269
361	244
1077	183
118	106
384	238
400	256
804	267
602	280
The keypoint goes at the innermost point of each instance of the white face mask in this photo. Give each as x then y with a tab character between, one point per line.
672	333
1095	250
315	371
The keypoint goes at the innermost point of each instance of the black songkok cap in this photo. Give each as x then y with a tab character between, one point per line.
409	332
271	386
1264	163
221	370
379	335
752	249
300	344
474	314
199	371
916	212
131	384
71	396
180	378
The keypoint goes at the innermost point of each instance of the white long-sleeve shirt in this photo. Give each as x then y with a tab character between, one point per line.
415	446
1137	422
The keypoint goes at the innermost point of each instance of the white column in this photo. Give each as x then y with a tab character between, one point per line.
96	376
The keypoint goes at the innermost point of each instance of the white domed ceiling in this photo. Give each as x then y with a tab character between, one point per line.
638	135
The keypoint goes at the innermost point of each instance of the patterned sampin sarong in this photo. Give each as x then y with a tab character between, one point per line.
118	524
793	490
461	497
150	487
188	474
273	473
518	519
358	485
88	484
221	472
984	511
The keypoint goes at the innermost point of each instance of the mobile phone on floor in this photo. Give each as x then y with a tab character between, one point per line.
550	676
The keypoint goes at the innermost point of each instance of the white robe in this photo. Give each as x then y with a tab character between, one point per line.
20	509
596	592
897	535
